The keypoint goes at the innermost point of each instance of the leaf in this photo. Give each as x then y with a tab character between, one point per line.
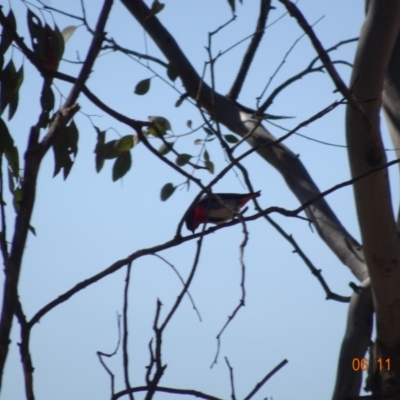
197	142
183	159
124	144
109	150
47	102
172	72
99	149
208	131
164	149
65	148
143	86
167	190
36	33
161	123
68	31
179	102
206	156
14	100
32	229
232	5
122	165
8	148
156	7
189	124
210	166
231	138
6	37
11	81
47	97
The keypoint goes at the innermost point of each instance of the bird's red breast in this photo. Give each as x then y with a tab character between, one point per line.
210	209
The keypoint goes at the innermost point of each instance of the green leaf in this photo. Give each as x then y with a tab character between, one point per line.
14	100
65	149
231	138
206	156
47	97
99	149
47	101
208	131
167	190
156	7
32	229
6	37
232	5
189	124
8	148
68	31
124	144
161	123
172	72
122	165
143	86
36	32
164	149
109	150
11	81
183	159
210	166
179	102
198	142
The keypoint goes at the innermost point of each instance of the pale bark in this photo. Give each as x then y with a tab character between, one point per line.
372	194
355	342
391	101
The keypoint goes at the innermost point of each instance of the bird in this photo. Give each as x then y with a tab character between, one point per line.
209	209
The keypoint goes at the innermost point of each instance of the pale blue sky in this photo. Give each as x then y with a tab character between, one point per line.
87	222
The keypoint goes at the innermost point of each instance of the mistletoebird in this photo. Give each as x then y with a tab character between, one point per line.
210	209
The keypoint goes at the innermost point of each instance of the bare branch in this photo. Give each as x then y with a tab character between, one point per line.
101	354
265	379
265	6
161	389
233	396
125	353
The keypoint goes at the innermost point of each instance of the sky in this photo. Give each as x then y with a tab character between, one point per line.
88	222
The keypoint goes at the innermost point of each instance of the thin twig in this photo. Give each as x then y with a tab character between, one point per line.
183	282
279	67
101	354
233	395
265	379
125	353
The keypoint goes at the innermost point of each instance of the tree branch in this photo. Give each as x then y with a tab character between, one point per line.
265	6
356	340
